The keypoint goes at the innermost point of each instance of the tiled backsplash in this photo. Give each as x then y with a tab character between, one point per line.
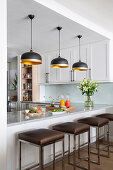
103	96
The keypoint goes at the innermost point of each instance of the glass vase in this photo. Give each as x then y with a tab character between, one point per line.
88	101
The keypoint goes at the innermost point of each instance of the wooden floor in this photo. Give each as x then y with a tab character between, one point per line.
106	163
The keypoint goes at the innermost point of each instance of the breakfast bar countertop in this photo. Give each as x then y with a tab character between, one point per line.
18	117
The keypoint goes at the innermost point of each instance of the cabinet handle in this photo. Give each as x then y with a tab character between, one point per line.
90	73
71	75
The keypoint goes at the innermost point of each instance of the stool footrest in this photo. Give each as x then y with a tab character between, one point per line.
100	154
78	166
93	161
33	166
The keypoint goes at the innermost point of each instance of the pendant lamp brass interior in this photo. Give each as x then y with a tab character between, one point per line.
59	62
80	66
31	58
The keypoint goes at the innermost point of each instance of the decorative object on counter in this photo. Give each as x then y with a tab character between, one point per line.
15	80
34	111
31	58
59	62
67	103
79	66
52	101
47	77
88	88
62	101
69	109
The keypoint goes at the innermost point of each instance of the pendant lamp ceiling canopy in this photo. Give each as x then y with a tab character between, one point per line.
31	58
79	66
59	62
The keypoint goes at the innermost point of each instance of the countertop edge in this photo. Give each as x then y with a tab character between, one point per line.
56	116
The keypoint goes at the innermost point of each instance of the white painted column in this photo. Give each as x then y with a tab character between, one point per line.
3	83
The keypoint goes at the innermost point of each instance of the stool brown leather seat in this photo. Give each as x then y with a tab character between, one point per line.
94	121
72	128
41	138
98	123
108	116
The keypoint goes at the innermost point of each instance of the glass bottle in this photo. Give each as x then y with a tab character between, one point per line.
67	100
62	101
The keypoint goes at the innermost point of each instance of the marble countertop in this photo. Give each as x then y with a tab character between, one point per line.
18	117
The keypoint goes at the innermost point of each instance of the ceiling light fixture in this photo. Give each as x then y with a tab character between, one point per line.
31	58
79	66
59	62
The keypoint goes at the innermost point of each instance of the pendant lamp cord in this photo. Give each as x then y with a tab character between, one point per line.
31	34
59	43
79	50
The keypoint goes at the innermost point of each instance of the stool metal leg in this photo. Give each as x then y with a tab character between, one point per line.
89	149
19	155
78	146
68	148
74	155
98	145
63	166
53	156
41	157
96	138
108	140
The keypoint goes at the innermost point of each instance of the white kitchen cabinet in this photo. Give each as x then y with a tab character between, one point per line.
64	74
41	71
80	75
99	61
96	55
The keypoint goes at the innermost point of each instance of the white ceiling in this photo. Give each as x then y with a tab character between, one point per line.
99	12
45	35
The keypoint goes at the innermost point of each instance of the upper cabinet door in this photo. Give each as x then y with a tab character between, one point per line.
80	75
41	71
99	61
64	74
52	71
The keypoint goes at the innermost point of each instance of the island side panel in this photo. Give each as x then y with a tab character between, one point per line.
30	153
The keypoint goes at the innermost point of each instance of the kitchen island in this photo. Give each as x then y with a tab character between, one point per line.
17	122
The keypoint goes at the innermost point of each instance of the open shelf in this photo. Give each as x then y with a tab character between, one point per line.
27	78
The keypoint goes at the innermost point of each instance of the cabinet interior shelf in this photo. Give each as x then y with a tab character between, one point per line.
27	78
27	67
27	89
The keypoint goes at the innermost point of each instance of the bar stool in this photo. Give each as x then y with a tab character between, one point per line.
98	123
108	116
72	128
41	138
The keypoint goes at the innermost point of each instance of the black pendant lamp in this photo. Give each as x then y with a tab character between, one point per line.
31	58
79	66
59	62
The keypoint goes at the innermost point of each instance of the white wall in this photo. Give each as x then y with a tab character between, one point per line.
3	83
98	11
64	10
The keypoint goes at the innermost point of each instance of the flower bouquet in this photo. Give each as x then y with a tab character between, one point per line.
88	88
